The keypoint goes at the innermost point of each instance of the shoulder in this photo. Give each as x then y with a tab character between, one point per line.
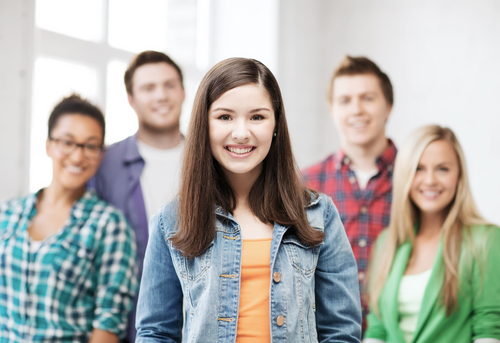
166	217
111	169
485	235
14	203
315	169
320	210
14	207
117	151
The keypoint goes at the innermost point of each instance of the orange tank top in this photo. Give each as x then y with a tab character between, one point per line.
253	317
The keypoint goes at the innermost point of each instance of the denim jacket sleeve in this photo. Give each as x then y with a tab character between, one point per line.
159	309
338	308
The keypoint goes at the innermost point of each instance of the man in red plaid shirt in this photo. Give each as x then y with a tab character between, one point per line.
358	177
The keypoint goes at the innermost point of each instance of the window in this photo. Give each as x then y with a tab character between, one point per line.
84	46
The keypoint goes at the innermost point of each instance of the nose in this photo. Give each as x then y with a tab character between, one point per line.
430	177
356	107
241	132
77	154
161	93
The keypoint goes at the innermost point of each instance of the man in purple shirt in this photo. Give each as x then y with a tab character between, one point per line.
141	173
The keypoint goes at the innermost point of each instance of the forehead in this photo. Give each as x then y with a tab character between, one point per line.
80	126
356	84
250	95
154	72
439	151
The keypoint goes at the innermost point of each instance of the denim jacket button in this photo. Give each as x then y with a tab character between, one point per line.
280	320
276	277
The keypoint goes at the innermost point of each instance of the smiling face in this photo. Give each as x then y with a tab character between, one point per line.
72	171
157	96
359	109
436	179
241	127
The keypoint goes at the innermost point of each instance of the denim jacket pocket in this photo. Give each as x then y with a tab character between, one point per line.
302	257
192	269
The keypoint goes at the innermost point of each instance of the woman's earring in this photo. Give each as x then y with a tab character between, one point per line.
274	134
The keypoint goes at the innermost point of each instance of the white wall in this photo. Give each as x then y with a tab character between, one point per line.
303	78
16	58
245	29
443	58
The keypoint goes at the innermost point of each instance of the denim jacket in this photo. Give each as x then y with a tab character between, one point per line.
315	300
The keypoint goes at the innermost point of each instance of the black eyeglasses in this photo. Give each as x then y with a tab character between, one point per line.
66	147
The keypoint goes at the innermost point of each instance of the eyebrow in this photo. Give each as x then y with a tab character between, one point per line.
73	137
438	165
170	80
232	111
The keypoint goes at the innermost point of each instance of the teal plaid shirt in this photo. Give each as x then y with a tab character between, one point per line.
82	278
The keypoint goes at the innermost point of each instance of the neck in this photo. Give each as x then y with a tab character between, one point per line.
242	185
167	139
431	223
57	196
364	157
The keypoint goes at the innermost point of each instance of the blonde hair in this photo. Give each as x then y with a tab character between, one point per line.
462	213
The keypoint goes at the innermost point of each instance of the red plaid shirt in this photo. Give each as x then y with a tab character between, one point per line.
364	213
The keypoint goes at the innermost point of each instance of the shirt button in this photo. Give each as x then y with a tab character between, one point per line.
280	320
276	277
352	179
363	209
361	276
389	167
362	243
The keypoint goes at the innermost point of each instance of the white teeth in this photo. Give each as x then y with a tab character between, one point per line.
430	193
163	110
358	124
238	150
74	169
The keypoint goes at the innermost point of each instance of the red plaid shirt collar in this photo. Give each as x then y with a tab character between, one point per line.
384	161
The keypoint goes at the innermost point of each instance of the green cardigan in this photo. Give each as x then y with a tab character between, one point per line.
478	314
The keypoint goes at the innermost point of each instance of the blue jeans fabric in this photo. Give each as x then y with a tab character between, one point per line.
318	294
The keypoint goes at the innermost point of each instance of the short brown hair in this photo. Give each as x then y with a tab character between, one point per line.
75	104
146	57
361	65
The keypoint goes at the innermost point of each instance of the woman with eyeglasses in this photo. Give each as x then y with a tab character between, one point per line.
67	258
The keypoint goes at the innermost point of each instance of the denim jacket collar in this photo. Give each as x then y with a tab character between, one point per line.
315	198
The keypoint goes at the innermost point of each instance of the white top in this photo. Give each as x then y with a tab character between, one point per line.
34	245
160	178
363	177
410	296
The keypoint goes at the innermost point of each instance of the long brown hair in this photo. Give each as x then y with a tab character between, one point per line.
461	215
276	196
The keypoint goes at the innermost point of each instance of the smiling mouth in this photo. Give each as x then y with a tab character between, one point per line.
358	124
431	194
239	151
74	169
163	110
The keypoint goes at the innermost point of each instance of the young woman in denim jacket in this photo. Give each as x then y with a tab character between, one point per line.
434	277
246	254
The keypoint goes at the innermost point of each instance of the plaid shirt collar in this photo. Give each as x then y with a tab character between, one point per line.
84	204
384	161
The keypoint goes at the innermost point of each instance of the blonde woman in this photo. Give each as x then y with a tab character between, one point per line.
434	276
